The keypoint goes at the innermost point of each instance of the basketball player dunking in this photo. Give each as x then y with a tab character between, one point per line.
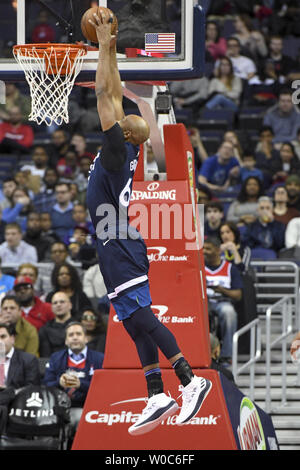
122	251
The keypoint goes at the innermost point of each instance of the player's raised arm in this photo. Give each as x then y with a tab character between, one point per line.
104	85
117	91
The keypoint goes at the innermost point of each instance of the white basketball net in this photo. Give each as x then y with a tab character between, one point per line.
49	88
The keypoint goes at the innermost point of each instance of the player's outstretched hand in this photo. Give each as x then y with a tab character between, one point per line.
102	26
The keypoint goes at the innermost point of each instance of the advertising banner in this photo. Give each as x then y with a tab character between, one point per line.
252	427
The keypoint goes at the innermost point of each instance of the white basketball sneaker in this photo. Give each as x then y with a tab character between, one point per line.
193	395
158	408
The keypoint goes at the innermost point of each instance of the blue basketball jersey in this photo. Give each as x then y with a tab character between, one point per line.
121	250
108	193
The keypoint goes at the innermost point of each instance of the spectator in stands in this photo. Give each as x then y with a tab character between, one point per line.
232	248
282	213
282	65
75	196
39	163
6	282
35	237
65	278
20	369
265	236
21	206
200	153
26	334
25	180
252	41
52	334
34	310
292	184
79	216
31	271
217	170
243	66
59	146
93	284
243	211
215	350
72	369
95	330
61	212
204	195
283	118
84	165
13	97
46	199
214	214
232	137
285	164
58	255
15	137
14	250
189	94
264	87
225	88
43	31
215	44
292	234
46	229
21	203
79	142
71	173
80	247
8	187
248	168
265	153
224	288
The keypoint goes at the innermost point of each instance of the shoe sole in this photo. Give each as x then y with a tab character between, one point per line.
143	429
198	405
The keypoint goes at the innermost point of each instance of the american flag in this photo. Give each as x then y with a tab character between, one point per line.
160	42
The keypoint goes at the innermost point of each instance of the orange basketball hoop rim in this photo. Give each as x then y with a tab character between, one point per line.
58	57
50	71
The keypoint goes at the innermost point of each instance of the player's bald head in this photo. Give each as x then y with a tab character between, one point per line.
137	127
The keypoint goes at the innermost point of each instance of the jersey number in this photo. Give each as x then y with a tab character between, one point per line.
125	194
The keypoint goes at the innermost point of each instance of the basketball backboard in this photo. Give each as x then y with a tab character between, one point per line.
142	24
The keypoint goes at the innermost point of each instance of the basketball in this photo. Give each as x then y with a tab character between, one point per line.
88	30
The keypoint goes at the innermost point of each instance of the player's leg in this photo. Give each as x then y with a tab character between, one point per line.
159	405
194	389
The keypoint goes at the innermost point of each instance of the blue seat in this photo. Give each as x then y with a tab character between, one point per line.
263	254
253	110
212	124
183	115
219	115
8	157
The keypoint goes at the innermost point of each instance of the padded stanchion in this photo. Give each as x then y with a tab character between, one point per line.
227	419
